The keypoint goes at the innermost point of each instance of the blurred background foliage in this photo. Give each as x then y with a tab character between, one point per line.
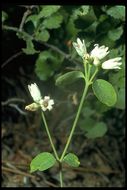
47	32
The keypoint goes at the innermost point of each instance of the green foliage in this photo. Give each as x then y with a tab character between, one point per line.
34	19
46	64
42	35
48	10
42	161
69	78
105	92
116	33
117	12
72	160
4	16
53	22
97	130
121	99
29	50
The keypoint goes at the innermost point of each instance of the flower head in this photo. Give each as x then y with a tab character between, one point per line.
80	47
99	52
35	92
112	63
46	103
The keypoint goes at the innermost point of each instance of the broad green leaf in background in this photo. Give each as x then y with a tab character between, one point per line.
53	22
117	12
86	124
115	34
98	130
4	16
121	99
105	92
42	161
72	160
29	50
46	64
87	111
48	10
42	35
69	78
34	19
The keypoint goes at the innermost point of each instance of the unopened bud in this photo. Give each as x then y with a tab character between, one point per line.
32	107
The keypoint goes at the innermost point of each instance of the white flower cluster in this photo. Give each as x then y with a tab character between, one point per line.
97	54
45	103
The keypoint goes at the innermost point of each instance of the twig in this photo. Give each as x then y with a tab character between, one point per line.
96	170
9	103
12	100
26	13
11	58
65	55
18	109
17	172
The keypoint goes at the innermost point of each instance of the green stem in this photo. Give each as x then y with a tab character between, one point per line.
61	176
50	138
93	75
75	121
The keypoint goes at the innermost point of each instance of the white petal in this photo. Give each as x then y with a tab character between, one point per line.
49	107
47	98
43	108
35	92
112	63
51	102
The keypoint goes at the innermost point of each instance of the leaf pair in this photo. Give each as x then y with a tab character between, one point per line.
46	160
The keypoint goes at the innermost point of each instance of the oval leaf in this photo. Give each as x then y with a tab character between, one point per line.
97	131
69	78
42	162
105	92
48	10
72	160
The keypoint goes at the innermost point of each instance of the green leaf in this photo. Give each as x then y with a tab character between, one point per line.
117	12
72	160
97	131
29	50
34	19
4	16
69	78
86	124
115	34
42	161
105	92
121	99
46	64
53	22
84	10
42	36
48	10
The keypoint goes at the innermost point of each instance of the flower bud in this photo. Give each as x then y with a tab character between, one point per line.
32	107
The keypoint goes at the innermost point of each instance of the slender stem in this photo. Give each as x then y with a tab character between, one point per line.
75	121
61	175
89	68
85	67
93	75
50	138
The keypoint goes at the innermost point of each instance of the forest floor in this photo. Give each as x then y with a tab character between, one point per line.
23	137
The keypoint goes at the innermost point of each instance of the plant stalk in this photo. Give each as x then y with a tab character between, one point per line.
75	121
50	138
